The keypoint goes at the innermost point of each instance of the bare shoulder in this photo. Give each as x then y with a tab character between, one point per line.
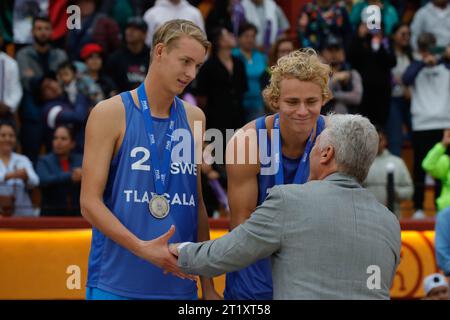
108	114
193	113
106	123
108	110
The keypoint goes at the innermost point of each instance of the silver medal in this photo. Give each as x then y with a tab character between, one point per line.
159	206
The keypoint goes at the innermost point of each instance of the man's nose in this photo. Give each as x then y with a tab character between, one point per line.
302	111
191	73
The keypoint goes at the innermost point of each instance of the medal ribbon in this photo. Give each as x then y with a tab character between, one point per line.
160	174
302	170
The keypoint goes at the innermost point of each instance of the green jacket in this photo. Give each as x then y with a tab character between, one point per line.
437	164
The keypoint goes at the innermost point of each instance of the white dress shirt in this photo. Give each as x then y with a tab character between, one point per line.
23	205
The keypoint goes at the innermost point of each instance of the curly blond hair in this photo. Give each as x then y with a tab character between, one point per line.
304	65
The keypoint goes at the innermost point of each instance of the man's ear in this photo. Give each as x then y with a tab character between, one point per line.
274	105
158	50
327	155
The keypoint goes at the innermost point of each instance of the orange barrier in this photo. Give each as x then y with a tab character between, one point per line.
42	258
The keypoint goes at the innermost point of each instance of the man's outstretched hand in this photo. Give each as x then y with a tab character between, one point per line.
157	252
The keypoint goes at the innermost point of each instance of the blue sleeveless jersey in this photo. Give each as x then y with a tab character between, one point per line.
127	193
255	281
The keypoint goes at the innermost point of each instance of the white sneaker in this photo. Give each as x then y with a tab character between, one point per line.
419	214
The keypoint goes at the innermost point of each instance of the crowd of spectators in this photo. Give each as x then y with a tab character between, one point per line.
396	74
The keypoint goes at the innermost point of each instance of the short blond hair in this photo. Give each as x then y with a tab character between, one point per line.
175	29
304	65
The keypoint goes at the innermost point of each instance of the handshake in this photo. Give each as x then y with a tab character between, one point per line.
162	254
165	256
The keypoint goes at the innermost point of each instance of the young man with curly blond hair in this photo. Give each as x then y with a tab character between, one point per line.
297	91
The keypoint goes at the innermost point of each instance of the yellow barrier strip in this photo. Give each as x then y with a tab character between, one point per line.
43	264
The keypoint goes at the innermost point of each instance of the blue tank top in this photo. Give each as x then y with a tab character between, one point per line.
255	281
127	193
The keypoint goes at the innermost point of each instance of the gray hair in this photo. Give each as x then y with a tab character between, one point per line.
355	141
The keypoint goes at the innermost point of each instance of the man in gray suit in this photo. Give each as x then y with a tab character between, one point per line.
327	239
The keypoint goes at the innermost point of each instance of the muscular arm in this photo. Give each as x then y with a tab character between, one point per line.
242	179
101	138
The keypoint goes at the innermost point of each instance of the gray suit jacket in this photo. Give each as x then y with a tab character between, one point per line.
323	237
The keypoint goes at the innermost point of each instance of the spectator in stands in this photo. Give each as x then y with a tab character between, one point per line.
377	179
399	111
34	61
433	18
221	16
320	19
57	109
282	47
24	13
128	66
221	84
370	54
255	65
430	108
16	176
10	87
95	27
389	16
437	164
346	83
60	176
165	10
104	86
436	287
269	19
73	84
